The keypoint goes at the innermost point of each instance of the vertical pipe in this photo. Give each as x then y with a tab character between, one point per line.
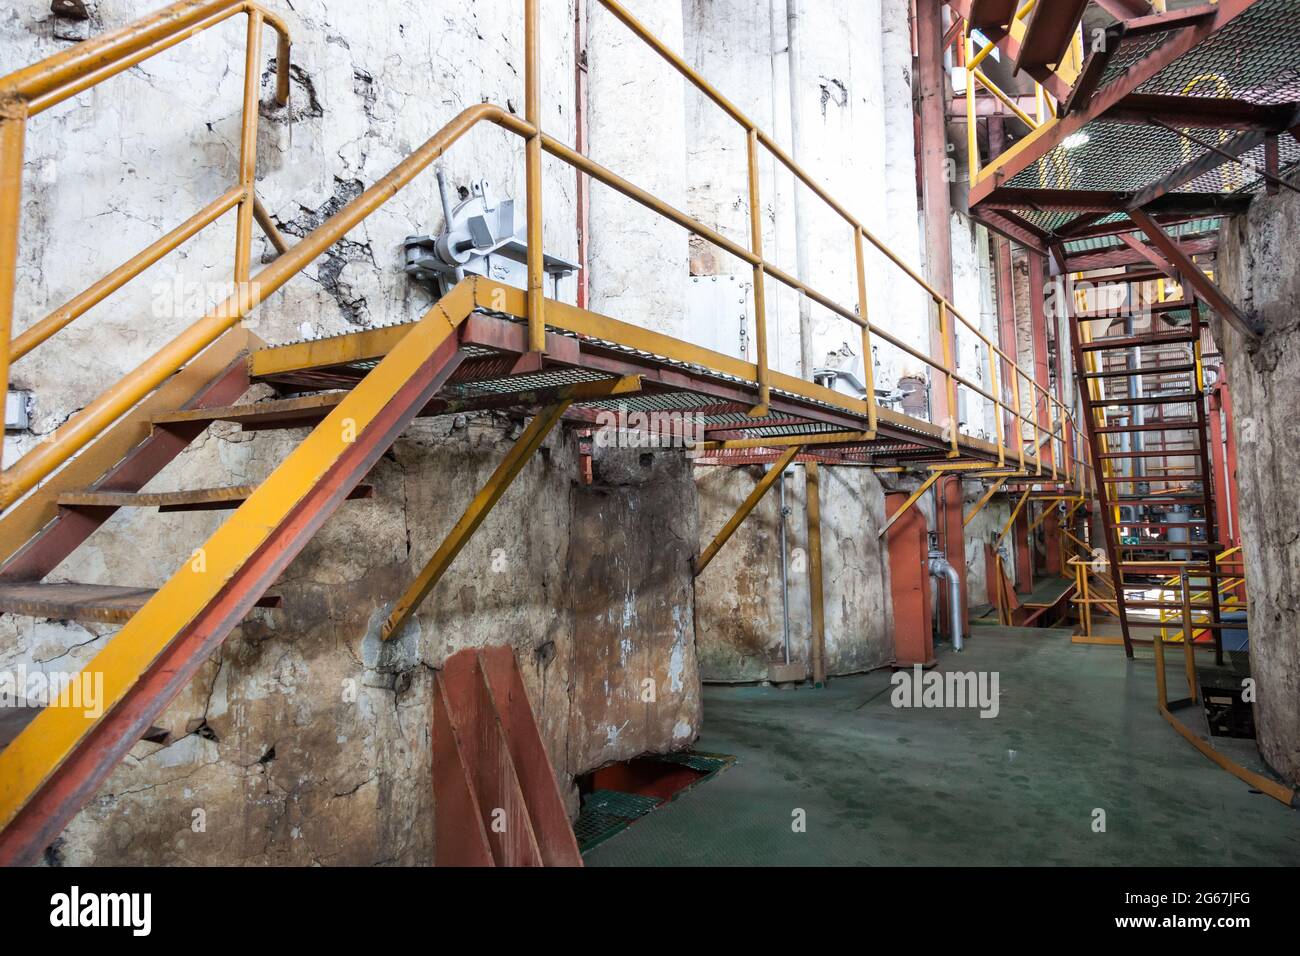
760	293
248	148
533	164
815	574
802	268
785	577
444	197
972	125
13	129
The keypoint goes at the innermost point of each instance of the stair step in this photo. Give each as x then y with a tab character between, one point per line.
1147	370
1049	33
1160	453
1186	398
1172	546
1148	308
1129	341
198	499
1173	425
104	603
278	413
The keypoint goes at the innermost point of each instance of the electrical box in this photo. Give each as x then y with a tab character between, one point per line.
16	419
720	315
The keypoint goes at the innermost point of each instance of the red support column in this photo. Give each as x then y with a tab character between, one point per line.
1052	541
1024	554
909	585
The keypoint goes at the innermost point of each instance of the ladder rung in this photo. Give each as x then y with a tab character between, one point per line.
1129	341
1161	453
1131	372
198	499
1186	399
107	604
1176	425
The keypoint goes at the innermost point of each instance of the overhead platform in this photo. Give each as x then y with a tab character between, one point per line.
1185	115
714	391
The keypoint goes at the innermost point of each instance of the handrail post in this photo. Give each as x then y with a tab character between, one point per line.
248	148
533	162
972	127
868	362
1018	416
13	131
760	292
946	334
999	402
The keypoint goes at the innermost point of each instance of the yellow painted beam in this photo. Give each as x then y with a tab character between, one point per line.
766	482
911	500
488	496
1014	514
54	734
979	505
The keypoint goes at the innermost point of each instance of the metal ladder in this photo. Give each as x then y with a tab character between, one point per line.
1132	386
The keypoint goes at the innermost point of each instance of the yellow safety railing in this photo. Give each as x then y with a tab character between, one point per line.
1230	599
28	91
31	91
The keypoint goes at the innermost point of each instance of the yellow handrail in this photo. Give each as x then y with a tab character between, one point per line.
74	69
31	91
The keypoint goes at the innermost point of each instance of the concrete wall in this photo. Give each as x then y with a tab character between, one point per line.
304	739
1265	385
739	608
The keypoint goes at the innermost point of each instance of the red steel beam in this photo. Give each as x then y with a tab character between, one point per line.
1128	256
1210	293
1192	28
1126	9
1048	34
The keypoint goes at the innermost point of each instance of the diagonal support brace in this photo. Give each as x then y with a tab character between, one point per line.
765	483
492	492
1191	274
987	497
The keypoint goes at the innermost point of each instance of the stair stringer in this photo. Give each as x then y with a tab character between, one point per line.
532	762
36	535
60	759
505	769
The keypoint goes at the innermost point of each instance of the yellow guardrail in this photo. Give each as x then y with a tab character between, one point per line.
25	93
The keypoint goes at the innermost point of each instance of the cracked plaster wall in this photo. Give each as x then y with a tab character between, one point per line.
303	740
1254	253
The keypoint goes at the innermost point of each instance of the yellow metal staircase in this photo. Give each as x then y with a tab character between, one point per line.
482	346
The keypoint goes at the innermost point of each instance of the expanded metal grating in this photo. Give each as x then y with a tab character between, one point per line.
552	378
607	812
1253	58
1101	243
1113	157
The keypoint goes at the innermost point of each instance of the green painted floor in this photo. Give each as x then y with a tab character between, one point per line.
1077	731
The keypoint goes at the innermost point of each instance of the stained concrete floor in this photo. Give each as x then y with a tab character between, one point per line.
1077	731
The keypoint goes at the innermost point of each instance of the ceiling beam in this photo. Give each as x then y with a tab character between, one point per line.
1205	289
1194	31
